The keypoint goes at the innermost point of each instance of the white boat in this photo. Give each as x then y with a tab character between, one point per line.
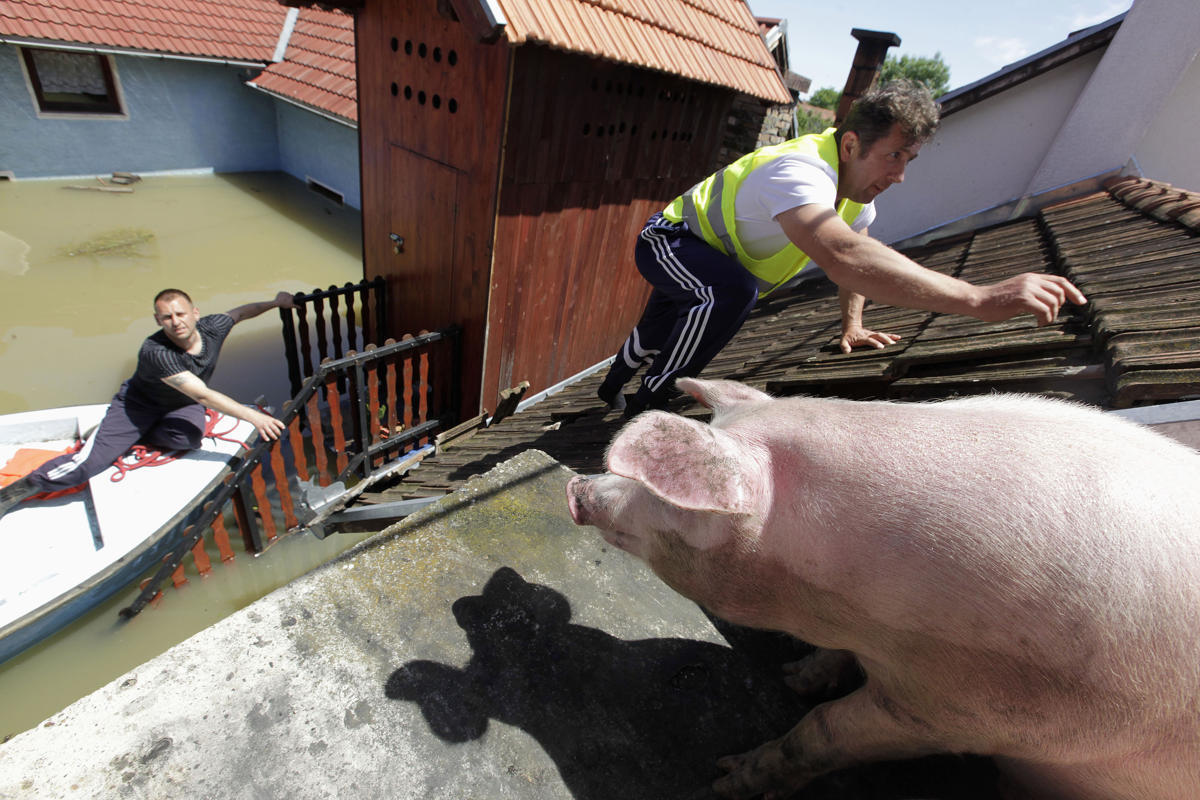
63	556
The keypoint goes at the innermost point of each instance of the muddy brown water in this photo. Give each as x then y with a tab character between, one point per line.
78	271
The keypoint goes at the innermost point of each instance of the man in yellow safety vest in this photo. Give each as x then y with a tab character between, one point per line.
756	225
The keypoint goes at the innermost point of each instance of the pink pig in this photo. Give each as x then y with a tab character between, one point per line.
1016	577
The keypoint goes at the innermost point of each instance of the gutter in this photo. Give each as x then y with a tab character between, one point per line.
115	51
311	109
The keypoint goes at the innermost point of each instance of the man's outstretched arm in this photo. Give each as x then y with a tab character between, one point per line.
267	426
870	268
251	310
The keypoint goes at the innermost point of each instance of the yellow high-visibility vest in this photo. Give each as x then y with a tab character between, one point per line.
708	209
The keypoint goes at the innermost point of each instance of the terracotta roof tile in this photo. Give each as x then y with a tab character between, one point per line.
318	69
243	30
711	41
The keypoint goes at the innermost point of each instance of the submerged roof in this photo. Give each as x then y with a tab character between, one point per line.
317	47
1134	250
711	41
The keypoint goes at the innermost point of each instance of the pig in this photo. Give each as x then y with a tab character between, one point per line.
1015	577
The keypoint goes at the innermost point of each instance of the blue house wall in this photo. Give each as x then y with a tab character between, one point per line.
314	147
180	115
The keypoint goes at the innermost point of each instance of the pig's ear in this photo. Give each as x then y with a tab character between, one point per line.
718	395
686	463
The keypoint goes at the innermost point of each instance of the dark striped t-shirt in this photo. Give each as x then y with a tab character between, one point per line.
161	358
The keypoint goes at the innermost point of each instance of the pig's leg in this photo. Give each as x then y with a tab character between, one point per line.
822	673
861	727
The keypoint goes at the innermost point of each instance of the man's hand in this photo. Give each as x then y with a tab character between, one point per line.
285	300
859	336
267	426
1028	293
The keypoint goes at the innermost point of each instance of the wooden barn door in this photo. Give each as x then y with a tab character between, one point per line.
422	218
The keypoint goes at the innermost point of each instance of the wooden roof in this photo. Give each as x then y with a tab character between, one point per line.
1134	250
711	41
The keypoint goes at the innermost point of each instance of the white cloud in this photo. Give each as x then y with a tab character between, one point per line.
1001	50
1086	19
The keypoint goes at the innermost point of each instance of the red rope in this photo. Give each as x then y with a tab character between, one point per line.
141	456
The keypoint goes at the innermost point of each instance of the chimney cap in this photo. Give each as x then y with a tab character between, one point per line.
883	37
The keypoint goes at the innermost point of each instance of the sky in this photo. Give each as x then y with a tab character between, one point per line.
974	37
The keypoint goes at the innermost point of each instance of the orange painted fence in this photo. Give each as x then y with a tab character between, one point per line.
351	418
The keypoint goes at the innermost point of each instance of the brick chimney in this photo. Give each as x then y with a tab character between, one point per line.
872	49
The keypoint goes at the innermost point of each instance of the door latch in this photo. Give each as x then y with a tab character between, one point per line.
397	243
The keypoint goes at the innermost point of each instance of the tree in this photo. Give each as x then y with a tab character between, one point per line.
826	97
931	71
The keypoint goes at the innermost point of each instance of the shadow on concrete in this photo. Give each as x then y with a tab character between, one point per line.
620	719
633	719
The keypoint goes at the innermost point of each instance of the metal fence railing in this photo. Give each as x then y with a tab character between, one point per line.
351	418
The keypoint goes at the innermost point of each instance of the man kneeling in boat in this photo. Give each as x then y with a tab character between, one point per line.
163	404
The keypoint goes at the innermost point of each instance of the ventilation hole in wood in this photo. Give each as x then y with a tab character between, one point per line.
408	48
408	93
587	128
421	97
395	44
395	90
437	101
452	58
422	50
437	55
453	106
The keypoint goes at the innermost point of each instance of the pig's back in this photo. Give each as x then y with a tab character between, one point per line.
1041	533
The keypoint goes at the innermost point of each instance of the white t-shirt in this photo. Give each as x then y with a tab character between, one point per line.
783	184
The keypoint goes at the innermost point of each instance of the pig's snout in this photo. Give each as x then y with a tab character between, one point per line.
577	489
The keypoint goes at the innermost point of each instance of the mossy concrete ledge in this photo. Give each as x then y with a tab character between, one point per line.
484	648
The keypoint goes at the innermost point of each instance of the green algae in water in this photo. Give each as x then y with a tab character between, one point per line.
125	242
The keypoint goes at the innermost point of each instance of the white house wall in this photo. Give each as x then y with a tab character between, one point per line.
314	147
1142	67
983	156
1164	154
180	115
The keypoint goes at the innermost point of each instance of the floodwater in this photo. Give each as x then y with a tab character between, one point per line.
78	271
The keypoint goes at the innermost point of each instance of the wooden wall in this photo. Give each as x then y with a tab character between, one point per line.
593	149
431	112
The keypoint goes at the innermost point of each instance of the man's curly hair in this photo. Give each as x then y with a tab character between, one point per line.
902	102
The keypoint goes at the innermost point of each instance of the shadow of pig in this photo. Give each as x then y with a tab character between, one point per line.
625	719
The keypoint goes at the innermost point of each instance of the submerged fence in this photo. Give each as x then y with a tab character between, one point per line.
351	418
343	319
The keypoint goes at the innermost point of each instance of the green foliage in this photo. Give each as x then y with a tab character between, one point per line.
931	71
826	97
807	122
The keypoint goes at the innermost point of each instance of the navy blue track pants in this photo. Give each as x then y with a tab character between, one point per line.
700	299
127	423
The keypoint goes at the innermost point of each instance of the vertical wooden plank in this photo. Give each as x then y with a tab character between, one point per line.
221	539
316	430
200	555
306	361
393	419
258	485
286	318
335	322
251	536
281	485
408	385
319	324
299	458
335	422
352	332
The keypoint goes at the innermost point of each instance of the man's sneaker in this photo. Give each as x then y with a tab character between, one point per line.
16	492
615	401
